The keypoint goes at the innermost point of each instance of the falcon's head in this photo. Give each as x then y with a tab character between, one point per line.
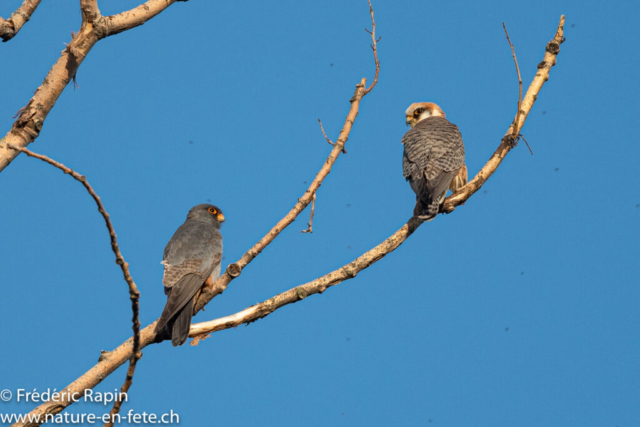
208	213
420	111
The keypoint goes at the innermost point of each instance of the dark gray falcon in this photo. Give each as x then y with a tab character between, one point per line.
433	158
191	260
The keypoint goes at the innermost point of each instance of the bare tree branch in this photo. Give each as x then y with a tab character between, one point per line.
89	10
11	27
94	28
349	271
133	361
374	47
510	138
134	294
513	52
135	17
525	141
31	119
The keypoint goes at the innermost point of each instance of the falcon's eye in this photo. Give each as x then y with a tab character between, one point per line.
418	112
212	211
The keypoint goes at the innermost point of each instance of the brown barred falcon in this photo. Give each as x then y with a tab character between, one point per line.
433	158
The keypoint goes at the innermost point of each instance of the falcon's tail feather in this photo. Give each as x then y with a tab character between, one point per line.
430	194
421	212
179	295
426	205
182	324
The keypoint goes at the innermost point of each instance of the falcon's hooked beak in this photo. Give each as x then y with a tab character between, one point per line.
410	121
220	217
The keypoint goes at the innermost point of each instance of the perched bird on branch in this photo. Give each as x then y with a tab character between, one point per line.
433	158
191	261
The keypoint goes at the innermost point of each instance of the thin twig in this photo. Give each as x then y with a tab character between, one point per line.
344	151
374	47
310	223
123	390
525	141
513	51
9	28
134	293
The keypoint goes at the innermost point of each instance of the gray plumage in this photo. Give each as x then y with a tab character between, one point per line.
192	256
433	155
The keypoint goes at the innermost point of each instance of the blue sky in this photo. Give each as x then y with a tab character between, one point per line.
520	308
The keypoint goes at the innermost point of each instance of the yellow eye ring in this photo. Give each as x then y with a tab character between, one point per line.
212	211
418	112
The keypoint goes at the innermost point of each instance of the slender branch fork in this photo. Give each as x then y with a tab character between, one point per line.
9	28
327	138
513	52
